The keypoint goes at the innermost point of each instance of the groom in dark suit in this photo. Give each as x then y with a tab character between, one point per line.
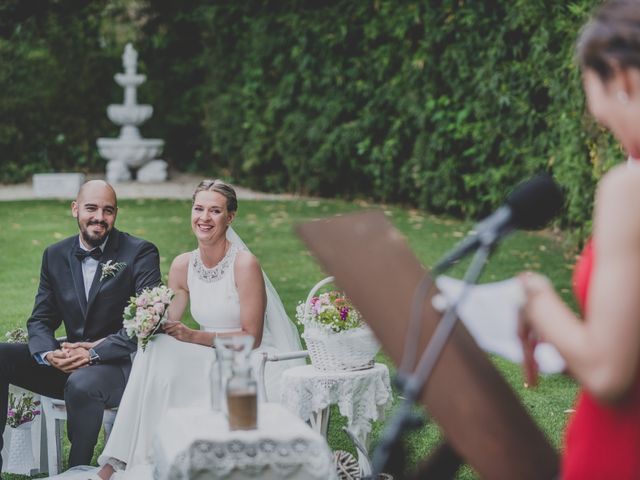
85	282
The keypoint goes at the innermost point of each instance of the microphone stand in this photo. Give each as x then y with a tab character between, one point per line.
389	453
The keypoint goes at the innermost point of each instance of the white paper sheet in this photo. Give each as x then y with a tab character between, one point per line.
490	313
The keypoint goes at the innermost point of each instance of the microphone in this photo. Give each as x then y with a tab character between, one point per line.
530	206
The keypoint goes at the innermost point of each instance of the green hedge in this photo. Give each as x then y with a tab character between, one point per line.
55	82
442	105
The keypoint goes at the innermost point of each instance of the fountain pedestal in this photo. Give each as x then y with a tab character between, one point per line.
130	150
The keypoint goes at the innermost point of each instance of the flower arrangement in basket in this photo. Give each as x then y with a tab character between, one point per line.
336	336
145	312
22	409
17	335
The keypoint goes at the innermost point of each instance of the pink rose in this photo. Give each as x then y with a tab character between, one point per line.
159	308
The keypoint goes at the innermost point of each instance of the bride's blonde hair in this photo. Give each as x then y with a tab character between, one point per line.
220	187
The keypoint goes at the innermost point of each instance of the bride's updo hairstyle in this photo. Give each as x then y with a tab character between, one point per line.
220	187
611	40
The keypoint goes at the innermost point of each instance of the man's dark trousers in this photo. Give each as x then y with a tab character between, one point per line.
86	392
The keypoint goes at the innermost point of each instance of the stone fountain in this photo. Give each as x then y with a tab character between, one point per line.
130	151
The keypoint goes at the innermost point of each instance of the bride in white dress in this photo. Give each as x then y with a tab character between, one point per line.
225	288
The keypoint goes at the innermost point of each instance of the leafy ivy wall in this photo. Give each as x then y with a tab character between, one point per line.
440	104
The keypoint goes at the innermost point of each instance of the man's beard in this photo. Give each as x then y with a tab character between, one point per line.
93	240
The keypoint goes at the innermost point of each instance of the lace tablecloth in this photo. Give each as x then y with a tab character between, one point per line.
193	444
361	396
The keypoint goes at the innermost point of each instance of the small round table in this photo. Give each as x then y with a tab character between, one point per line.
362	396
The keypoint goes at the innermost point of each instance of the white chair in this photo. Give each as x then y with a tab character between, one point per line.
274	357
55	412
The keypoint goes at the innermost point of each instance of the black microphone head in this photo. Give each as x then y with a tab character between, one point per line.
535	202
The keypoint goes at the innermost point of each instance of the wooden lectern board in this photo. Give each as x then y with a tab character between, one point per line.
480	415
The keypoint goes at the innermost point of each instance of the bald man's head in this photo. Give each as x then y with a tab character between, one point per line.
93	186
95	209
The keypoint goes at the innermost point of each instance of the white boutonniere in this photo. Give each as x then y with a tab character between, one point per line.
111	269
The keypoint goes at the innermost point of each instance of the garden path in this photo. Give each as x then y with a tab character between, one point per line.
179	186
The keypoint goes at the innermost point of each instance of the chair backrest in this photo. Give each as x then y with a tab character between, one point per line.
262	366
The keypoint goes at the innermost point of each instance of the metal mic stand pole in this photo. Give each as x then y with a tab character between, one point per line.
388	452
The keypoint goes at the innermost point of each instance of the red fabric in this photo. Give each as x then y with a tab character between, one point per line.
602	442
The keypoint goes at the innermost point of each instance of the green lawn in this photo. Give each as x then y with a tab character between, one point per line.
267	227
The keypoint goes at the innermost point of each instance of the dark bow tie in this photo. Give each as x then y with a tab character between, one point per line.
82	254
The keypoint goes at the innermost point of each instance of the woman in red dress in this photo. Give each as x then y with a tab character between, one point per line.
602	350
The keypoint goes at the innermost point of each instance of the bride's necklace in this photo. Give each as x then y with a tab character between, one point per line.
216	272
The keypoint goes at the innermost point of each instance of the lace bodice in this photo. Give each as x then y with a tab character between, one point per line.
213	295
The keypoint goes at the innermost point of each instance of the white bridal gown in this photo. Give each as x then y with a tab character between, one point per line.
171	373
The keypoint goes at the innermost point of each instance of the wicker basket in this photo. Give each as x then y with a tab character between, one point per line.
348	350
352	349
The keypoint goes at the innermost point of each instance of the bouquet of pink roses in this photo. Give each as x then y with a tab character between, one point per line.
21	410
146	312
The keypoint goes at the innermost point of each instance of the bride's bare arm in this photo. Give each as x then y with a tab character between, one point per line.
178	283
252	294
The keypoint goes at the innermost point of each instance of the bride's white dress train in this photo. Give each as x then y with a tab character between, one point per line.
171	373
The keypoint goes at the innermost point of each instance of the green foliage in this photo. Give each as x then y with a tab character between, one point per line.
443	105
55	82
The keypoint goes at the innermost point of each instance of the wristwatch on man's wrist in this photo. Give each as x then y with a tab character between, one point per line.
93	357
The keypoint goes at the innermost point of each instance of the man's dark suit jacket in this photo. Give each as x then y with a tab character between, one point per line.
61	297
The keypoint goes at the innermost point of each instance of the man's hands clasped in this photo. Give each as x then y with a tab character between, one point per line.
71	356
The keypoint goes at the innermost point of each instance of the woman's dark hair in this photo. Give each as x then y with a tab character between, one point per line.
220	187
611	39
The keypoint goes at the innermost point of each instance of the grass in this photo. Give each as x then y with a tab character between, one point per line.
29	226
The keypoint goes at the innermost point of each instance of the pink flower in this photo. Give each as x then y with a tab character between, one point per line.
159	308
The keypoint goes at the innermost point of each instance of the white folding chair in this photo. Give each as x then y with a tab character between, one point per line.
274	357
55	412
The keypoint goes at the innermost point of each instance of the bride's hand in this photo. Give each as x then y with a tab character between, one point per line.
178	330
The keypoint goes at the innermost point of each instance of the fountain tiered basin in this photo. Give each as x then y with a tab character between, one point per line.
133	153
128	115
130	150
125	79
